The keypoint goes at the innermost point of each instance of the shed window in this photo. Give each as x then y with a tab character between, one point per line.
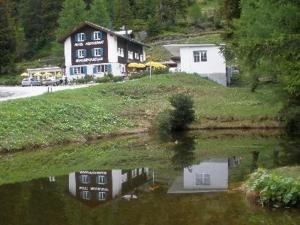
202	179
101	196
101	179
80	37
203	56
98	52
81	53
196	57
85	179
86	195
121	52
97	35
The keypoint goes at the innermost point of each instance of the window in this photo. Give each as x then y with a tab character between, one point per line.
203	56
86	195
101	179
137	56
121	52
85	179
134	173
196	57
78	70
101	196
80	37
97	52
81	53
141	57
130	55
140	171
200	56
202	179
97	35
124	177
102	69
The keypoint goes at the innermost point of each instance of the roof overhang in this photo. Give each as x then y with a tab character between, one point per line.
100	28
174	49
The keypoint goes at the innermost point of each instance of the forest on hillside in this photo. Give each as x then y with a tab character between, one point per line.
30	26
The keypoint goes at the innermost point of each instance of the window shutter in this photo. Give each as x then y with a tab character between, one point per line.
93	36
94	70
101	35
93	52
101	51
85	70
71	71
109	68
76	37
77	54
85	53
84	37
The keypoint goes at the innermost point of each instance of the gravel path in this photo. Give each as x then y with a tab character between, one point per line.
11	93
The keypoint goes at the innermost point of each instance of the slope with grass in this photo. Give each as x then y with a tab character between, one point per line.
105	109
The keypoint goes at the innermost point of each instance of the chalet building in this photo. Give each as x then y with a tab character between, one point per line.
95	187
95	50
206	60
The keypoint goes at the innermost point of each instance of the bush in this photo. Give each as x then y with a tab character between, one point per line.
117	79
177	119
10	80
86	79
137	75
273	190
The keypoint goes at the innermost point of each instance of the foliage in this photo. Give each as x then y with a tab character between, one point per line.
71	15
74	115
270	49
273	190
7	38
10	80
179	118
99	14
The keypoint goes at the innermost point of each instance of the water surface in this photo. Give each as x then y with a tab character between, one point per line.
192	180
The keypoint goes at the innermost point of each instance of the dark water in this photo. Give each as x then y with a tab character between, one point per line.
197	186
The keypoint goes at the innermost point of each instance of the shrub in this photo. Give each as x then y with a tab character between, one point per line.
177	119
85	79
138	75
183	113
273	190
117	79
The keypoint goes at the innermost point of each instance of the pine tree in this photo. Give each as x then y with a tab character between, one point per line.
73	13
7	38
99	13
123	14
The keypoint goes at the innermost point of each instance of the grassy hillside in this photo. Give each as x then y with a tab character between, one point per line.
76	115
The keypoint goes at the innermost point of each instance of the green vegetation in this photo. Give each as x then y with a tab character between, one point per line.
275	190
179	117
140	151
268	49
76	115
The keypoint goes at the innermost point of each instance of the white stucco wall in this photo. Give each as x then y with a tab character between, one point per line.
214	68
218	172
68	52
112	48
116	182
72	184
215	60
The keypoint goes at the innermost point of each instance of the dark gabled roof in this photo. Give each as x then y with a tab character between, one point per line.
97	27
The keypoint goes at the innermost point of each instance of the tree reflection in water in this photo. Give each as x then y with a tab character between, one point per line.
183	151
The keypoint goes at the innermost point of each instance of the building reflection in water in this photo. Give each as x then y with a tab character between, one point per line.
104	185
207	176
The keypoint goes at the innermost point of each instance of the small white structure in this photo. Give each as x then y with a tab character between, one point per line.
207	60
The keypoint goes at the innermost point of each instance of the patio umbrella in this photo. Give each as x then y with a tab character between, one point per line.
136	65
155	65
24	75
37	75
47	74
58	74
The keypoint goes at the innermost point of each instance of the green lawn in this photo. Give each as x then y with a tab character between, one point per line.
76	115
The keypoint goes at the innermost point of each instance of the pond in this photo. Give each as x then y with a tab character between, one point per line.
190	180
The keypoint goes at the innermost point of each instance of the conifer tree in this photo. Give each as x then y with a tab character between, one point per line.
123	14
99	13
72	14
7	38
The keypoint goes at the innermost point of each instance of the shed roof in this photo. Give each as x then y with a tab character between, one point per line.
174	49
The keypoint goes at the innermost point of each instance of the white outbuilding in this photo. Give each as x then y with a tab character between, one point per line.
207	60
